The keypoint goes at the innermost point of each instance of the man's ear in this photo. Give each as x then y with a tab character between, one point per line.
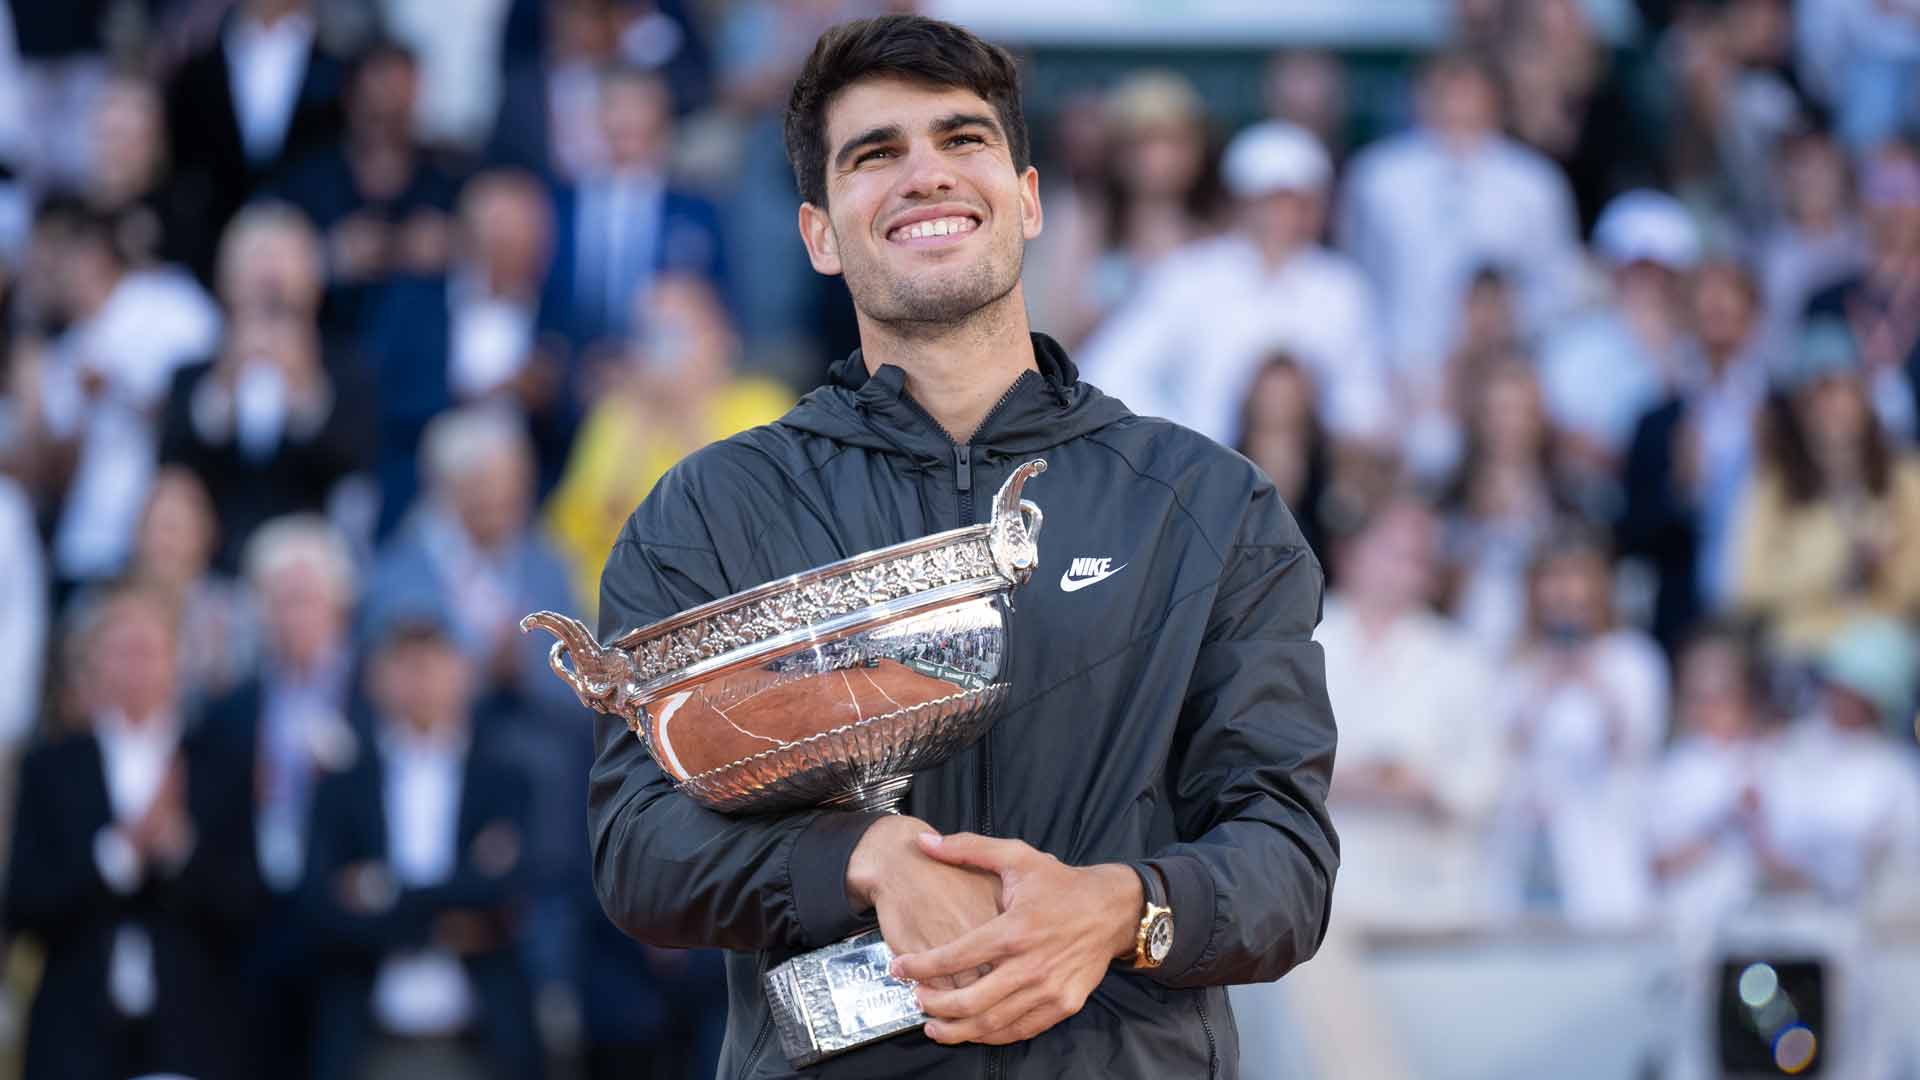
1030	216
823	247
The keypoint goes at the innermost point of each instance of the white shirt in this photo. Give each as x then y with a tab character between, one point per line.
1843	808
1694	798
153	323
1189	345
265	66
490	339
1420	218
1415	696
136	762
458	42
1598	378
422	991
616	235
23	633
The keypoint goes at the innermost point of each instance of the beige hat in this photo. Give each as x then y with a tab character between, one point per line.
1153	98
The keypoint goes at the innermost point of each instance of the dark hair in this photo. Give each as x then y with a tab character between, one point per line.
1786	445
910	47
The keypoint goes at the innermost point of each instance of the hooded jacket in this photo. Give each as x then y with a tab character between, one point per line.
1173	713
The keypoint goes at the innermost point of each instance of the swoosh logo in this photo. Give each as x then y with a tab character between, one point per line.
1069	583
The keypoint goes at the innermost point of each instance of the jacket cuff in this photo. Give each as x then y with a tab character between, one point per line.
817	869
1190	895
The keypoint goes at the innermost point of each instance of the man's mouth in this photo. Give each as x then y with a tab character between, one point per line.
933	229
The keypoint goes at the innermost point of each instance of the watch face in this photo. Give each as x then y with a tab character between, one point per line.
1160	938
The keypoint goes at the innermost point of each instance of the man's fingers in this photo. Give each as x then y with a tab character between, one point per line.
974	999
971	849
987	944
1000	1017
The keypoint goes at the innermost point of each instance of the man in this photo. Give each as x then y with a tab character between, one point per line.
1168	734
415	869
271	423
1268	286
1425	210
624	222
130	867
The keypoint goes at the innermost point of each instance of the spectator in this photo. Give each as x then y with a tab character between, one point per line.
1280	432
1503	503
269	425
383	206
1420	758
468	335
678	391
1308	88
1424	210
1737	98
1691	457
173	554
1818	241
546	121
128	869
1704	812
283	731
1829	527
1881	305
128	330
260	95
1866	55
1602	371
1843	809
157	220
1267	285
625	223
459	46
415	872
1571	101
1583	706
62	51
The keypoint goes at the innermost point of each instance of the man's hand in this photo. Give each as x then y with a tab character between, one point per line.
1060	928
921	901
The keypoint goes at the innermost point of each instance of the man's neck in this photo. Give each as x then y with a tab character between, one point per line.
956	372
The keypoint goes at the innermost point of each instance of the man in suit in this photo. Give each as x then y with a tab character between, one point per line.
258	96
130	867
625	223
414	879
434	341
268	424
285	728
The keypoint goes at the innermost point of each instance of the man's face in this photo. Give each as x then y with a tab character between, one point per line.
926	216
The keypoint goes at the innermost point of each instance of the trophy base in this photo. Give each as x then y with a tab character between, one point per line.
884	796
839	998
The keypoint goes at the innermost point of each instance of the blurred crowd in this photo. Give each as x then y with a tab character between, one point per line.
338	335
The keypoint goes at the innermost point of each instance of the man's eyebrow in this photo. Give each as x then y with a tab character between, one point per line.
956	121
884	133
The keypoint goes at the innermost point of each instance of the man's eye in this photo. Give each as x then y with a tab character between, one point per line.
959	139
872	155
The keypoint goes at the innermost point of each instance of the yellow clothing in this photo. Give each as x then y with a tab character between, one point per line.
1795	561
614	463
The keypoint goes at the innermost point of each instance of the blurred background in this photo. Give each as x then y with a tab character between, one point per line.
1583	338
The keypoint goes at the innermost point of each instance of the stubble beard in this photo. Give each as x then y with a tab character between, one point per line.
935	303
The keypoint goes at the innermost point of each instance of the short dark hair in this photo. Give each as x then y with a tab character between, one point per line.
911	47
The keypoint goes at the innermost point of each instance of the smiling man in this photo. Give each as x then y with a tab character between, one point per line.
1146	823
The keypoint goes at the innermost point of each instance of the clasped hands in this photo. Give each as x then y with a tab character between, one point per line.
1004	940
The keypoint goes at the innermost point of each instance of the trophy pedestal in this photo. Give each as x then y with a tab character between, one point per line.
839	998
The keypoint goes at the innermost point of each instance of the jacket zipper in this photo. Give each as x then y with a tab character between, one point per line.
1213	1051
759	1047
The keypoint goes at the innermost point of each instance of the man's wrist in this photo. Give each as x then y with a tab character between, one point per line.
1128	902
867	866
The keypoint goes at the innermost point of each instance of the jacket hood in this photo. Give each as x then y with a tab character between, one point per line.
1042	409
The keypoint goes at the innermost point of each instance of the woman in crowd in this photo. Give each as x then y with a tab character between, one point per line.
1584	707
1280	432
1829	526
173	553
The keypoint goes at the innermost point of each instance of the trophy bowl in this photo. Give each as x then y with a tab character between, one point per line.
826	688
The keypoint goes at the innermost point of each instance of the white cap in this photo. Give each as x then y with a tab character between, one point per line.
1273	157
1647	226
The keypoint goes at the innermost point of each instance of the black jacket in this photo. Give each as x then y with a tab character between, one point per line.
56	894
1175	712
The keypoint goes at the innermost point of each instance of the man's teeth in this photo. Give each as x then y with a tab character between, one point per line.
945	226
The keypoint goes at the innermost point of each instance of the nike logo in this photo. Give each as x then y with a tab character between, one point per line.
1086	571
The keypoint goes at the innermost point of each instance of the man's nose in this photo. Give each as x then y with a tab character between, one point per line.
928	173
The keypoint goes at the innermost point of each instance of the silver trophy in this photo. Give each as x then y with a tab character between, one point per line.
827	688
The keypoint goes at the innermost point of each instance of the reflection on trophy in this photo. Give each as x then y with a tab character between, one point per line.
827	688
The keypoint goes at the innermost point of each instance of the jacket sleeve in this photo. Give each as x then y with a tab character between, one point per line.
1252	882
668	871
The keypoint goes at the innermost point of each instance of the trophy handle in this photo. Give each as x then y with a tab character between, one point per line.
1013	538
602	678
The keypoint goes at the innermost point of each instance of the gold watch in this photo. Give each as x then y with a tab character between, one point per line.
1154	940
